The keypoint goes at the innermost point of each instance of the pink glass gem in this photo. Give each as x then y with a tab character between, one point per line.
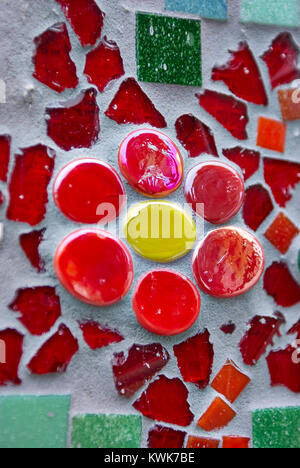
164	437
5	142
284	368
295	330
282	176
195	136
231	113
282	60
215	191
133	370
228	262
195	359
38	308
228	328
166	400
257	207
77	124
52	61
56	354
104	64
242	76
132	105
86	19
280	284
11	350
30	243
98	336
247	160
28	185
151	163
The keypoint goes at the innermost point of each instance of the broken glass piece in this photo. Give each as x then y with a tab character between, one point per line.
11	350
290	104
295	330
247	160
282	176
30	243
284	368
280	284
271	134
5	142
230	381
228	328
258	206
165	437
235	442
98	336
281	233
218	415
196	137
202	443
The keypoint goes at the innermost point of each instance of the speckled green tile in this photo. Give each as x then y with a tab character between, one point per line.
273	12
34	421
211	9
168	50
106	431
276	428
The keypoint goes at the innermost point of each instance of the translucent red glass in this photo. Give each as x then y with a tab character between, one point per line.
282	176
11	351
5	142
196	137
202	443
228	328
284	368
30	243
98	336
290	104
165	437
295	330
247	160
257	207
235	442
280	284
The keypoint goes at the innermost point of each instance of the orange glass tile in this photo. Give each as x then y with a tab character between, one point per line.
271	134
230	381
235	442
202	442
289	100
282	233
218	415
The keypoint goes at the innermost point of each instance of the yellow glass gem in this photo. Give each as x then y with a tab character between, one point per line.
160	231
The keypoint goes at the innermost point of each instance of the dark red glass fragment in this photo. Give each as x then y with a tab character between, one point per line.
30	243
164	437
231	113
247	160
5	142
135	369
280	284
132	105
228	328
282	176
258	206
242	76
196	137
28	185
295	330
284	368
11	350
98	336
77	125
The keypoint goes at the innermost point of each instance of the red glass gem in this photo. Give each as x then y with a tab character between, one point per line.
284	368
56	354
290	104
195	136
5	142
2	198
257	207
166	314
202	443
195	359
295	330
89	191
228	262
282	233
104	64
30	243
94	266
215	191
282	176
135	369
242	76
132	105
166	400
165	437
228	328
86	19
280	284
77	125
11	350
235	442
247	160
151	163
38	308
282	60
98	336
52	61
28	185
231	113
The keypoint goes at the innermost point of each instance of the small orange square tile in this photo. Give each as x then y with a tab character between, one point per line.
218	415
281	233
271	134
202	442
230	381
235	442
289	100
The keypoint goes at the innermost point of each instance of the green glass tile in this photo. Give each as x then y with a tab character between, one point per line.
106	431
273	12
168	50
34	421
276	428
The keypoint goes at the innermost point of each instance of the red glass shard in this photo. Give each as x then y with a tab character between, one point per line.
228	111
166	400
280	284
11	350
52	61
98	336
247	160
202	443
242	76
271	134
195	359
2	198
282	176
260	334
56	354
28	185
235	442
38	308
281	233
282	60
284	368
77	125
295	330
86	19
258	206
135	369
228	328
5	142
132	105
104	64
30	243
165	437
196	137
289	104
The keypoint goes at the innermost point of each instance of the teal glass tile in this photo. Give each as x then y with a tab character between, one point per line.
211	9
276	428
272	12
168	50
34	421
